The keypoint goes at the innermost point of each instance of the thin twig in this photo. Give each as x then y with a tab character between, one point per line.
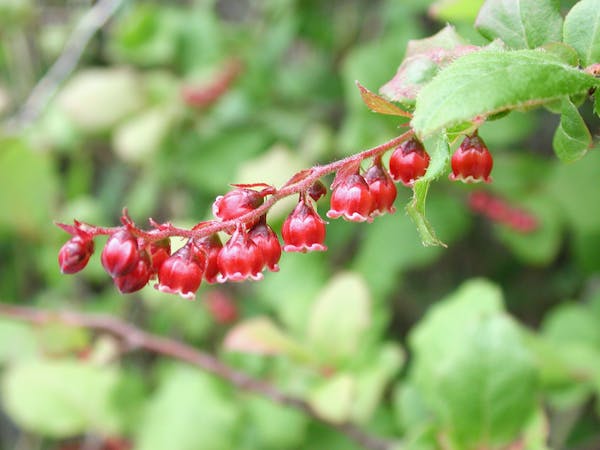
46	88
135	338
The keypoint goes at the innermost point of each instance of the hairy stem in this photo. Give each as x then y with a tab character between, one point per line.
301	182
134	338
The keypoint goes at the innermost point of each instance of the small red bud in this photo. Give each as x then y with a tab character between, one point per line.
159	253
409	162
240	259
210	246
120	254
351	199
181	273
268	242
383	190
136	279
472	162
75	253
303	230
236	203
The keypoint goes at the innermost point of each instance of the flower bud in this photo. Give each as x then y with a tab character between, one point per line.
181	273
120	254
351	199
303	230
75	253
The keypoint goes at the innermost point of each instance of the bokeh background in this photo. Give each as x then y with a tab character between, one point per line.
172	101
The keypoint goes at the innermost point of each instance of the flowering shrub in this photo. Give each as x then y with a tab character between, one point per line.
422	278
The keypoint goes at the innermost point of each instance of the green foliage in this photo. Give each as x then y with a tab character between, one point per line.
572	138
473	368
582	30
521	23
454	96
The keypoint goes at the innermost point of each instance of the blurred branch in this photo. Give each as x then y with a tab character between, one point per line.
134	338
44	90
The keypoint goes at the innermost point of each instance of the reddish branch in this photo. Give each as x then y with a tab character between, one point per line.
133	338
300	182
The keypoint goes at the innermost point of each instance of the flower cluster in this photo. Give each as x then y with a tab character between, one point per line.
500	211
133	257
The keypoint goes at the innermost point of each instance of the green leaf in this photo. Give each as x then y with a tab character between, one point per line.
191	409
17	341
572	138
473	368
574	188
455	10
372	381
487	82
582	30
28	188
423	60
261	336
439	153
276	426
340	317
597	102
61	398
572	323
521	23
333	399
98	99
540	246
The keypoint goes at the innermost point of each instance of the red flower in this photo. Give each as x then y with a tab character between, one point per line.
240	259
409	162
75	253
136	279
181	273
351	199
383	189
472	162
268	242
236	203
120	254
210	246
303	230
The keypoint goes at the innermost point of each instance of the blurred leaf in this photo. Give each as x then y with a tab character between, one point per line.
61	398
261	336
455	10
521	23
340	316
17	341
190	409
276	426
572	138
440	156
535	436
582	30
574	188
139	138
423	60
372	381
60	339
473	367
333	399
572	323
456	94
96	99
28	189
146	35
